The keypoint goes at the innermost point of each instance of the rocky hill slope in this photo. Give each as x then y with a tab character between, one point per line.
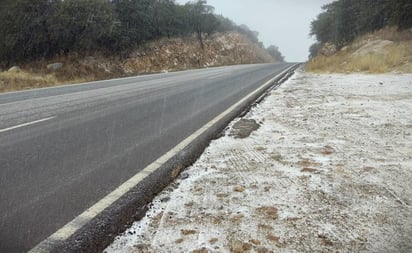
386	50
160	56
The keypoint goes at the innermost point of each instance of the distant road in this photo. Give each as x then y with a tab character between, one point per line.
64	148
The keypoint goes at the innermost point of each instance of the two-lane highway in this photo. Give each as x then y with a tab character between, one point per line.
64	148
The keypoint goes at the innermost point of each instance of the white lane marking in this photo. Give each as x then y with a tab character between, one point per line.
219	76
25	124
70	228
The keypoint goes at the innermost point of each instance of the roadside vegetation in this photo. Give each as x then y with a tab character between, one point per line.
364	36
96	39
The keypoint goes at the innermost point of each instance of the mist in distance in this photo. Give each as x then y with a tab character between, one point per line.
284	23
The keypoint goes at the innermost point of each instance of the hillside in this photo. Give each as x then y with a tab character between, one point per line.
386	50
45	43
362	36
159	56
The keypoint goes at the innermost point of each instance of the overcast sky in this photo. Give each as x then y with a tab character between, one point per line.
284	23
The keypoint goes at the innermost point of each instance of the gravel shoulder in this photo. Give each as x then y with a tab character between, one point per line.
327	169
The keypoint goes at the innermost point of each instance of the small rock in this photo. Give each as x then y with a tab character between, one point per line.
187	232
262	250
198	189
143	248
327	150
255	242
311	170
14	69
237	217
55	66
165	199
269	211
190	204
178	241
239	188
184	175
247	246
264	226
237	246
202	250
213	240
222	195
272	237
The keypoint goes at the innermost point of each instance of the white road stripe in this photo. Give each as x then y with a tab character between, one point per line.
25	124
219	76
78	222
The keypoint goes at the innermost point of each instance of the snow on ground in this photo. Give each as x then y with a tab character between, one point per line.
329	170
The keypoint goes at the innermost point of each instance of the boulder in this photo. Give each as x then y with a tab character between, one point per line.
55	66
373	47
14	69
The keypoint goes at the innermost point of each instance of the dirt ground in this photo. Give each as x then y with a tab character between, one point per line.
328	170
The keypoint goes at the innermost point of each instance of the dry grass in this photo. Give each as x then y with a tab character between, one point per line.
396	57
22	80
77	69
10	81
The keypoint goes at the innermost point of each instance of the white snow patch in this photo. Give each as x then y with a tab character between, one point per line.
330	169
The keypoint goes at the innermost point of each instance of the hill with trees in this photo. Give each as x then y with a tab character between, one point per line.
118	34
38	29
343	23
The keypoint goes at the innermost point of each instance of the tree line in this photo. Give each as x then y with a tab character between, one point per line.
342	21
38	29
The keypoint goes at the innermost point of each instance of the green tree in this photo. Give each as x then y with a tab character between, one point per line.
224	24
314	50
81	25
402	14
343	20
201	18
275	53
136	25
24	29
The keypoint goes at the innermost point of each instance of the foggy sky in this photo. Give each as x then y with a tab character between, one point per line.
284	23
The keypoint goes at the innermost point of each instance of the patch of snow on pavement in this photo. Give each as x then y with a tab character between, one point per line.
329	169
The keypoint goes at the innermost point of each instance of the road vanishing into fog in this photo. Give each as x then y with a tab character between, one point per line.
62	149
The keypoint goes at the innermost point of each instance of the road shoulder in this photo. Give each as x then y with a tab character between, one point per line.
329	168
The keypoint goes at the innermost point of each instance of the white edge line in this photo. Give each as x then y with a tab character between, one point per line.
25	124
70	228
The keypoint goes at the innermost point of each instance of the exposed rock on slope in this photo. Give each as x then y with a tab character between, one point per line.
181	54
160	56
385	50
373	47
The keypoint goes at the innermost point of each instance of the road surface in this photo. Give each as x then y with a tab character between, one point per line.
64	148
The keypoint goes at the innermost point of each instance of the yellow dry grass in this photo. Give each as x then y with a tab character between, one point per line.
20	80
396	57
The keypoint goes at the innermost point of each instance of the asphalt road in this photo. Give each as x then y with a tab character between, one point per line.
64	148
